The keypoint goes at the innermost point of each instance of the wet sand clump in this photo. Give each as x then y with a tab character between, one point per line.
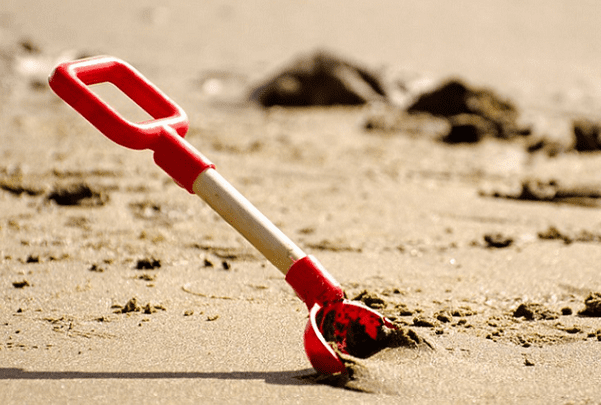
148	264
133	306
318	80
592	305
473	112
534	312
78	194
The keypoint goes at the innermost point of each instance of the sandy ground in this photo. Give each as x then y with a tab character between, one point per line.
400	215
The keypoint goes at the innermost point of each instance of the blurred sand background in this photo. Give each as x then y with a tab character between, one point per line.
400	215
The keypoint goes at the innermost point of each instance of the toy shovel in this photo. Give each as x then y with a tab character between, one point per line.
334	323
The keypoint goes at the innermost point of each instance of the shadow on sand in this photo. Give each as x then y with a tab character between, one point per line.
270	377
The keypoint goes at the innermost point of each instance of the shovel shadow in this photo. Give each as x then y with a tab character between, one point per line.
270	377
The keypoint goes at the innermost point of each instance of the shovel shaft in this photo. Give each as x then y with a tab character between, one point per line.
237	211
309	279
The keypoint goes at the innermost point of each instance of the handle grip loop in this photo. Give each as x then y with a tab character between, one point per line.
164	134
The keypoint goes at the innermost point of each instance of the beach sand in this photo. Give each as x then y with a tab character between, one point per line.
140	293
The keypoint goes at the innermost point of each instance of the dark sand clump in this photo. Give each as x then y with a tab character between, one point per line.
472	112
318	80
370	299
149	263
592	305
78	194
587	135
133	306
534	312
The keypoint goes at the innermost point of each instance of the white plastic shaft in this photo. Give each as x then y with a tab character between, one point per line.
247	219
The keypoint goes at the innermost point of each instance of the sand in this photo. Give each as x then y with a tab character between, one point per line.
117	286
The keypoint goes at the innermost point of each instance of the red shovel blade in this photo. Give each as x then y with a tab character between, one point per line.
349	326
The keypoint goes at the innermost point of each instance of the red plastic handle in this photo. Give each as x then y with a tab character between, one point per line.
163	134
70	80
